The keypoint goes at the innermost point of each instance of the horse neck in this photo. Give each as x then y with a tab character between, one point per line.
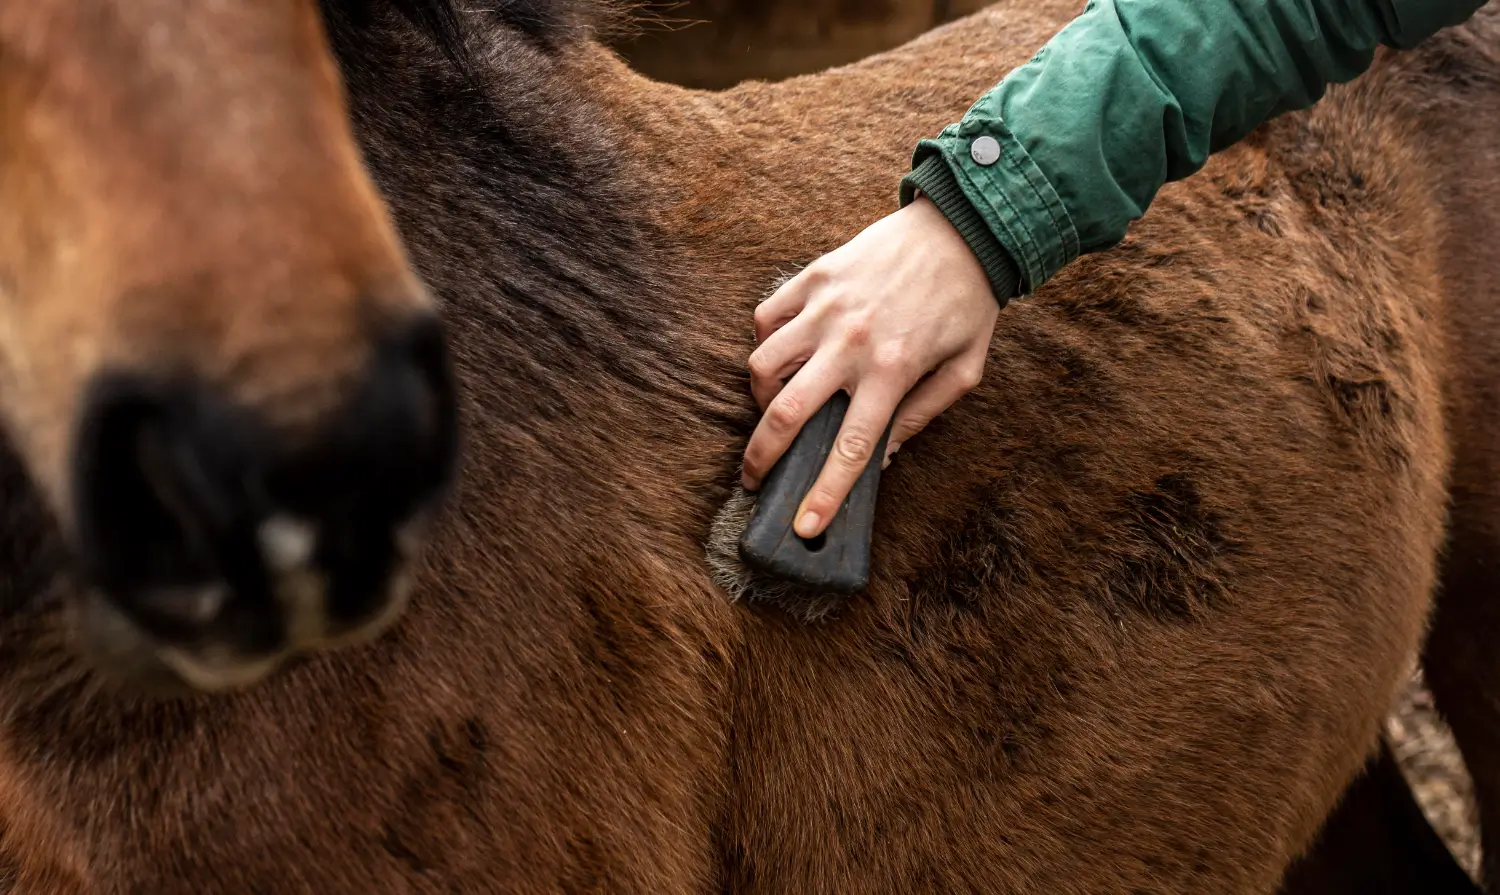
763	178
600	395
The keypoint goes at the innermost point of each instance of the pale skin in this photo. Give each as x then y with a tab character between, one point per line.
900	317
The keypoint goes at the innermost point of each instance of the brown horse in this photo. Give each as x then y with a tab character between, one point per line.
1139	604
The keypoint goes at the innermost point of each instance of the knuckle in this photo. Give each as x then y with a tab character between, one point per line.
968	376
825	302
855	446
893	357
821	500
760	366
818	274
785	412
764	315
857	332
910	425
755	457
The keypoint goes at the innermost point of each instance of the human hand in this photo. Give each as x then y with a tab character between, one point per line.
904	300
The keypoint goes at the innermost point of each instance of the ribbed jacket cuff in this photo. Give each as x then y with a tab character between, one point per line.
937	183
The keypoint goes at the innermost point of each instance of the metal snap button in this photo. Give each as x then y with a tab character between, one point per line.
985	151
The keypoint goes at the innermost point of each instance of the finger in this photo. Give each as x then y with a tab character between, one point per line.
779	357
784	304
785	416
869	412
931	397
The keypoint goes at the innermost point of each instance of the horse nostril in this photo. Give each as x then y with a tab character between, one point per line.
390	450
156	472
408	409
202	522
388	458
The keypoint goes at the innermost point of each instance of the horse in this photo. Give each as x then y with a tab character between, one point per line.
1138	605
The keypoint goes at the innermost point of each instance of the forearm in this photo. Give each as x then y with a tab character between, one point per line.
1136	93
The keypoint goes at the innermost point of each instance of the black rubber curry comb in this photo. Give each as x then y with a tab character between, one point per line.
837	560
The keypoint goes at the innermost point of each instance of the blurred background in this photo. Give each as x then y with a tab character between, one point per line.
718	43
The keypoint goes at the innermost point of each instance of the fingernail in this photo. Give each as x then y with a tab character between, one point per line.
748	482
890	452
807	526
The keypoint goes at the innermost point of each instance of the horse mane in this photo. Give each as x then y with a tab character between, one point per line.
550	23
494	170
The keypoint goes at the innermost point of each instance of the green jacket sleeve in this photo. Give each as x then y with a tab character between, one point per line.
1070	148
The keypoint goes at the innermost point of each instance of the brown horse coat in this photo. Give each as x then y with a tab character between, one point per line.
1139	604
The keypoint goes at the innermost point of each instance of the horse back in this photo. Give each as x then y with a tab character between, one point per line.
1167	569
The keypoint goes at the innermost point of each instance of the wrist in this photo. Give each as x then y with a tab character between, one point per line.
935	182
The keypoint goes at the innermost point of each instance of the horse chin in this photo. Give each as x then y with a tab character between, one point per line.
124	655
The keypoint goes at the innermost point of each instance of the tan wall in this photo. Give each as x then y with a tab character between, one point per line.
735	40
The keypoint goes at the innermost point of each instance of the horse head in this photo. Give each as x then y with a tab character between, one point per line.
216	364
